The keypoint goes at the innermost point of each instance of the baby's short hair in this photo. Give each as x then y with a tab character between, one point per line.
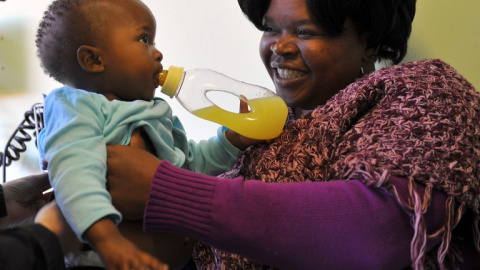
66	25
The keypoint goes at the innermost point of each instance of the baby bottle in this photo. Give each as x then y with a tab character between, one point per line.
267	114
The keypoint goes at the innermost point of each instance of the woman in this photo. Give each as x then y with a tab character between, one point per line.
375	170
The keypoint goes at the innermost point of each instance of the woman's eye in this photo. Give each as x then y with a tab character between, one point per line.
144	39
268	28
302	32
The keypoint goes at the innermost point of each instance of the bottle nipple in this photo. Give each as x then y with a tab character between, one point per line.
162	77
170	80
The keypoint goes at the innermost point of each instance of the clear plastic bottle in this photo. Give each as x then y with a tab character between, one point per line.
267	114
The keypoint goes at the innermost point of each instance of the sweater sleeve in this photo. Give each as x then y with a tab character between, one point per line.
307	225
213	156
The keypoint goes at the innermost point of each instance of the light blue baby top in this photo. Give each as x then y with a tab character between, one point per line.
79	125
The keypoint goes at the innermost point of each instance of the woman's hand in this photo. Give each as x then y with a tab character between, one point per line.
23	198
130	171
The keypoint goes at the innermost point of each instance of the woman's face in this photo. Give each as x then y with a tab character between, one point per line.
307	65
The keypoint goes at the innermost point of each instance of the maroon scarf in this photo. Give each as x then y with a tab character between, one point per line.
419	121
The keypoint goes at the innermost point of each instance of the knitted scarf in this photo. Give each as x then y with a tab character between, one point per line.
419	121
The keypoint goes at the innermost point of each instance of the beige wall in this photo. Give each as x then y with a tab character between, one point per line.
449	30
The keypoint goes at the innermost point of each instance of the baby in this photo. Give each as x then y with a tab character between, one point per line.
103	52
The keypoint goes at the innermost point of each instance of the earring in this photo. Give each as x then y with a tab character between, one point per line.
361	70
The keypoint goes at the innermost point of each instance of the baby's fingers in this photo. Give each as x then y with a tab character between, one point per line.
243	104
152	263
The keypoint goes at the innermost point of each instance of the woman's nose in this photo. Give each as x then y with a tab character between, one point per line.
283	46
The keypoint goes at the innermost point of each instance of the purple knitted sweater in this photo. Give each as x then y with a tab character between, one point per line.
405	138
282	225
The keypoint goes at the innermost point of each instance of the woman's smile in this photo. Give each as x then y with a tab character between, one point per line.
289	73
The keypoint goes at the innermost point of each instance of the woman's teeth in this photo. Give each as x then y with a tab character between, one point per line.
289	73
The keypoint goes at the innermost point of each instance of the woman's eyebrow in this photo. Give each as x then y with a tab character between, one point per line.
266	19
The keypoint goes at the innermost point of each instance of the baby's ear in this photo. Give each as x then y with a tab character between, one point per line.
89	59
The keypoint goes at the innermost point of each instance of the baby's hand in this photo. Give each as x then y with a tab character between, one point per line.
121	254
240	141
117	252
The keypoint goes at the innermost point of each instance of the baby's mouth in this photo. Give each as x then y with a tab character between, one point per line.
157	79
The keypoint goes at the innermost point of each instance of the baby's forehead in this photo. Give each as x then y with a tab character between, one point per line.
118	6
118	10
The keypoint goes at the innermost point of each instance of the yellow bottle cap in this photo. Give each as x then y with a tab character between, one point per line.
169	80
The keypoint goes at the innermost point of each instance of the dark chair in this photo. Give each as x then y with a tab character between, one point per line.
29	128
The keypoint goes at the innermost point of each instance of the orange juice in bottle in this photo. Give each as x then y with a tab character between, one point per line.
267	114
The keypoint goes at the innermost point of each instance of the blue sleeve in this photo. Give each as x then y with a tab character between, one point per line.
212	157
73	145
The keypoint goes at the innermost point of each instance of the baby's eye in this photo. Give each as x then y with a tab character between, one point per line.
144	39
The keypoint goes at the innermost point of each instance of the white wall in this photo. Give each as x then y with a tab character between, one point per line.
209	34
190	33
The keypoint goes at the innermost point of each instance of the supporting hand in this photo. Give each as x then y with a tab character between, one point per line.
23	198
130	171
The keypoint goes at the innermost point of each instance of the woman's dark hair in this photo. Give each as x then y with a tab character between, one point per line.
388	23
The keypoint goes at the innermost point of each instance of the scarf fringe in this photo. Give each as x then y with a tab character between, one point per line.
417	206
419	240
